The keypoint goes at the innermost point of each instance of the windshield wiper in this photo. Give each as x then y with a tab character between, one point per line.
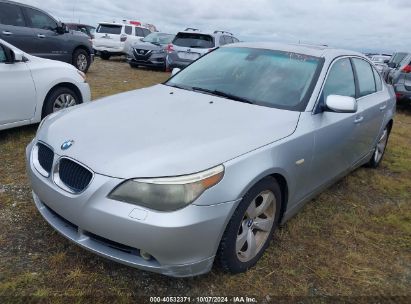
178	86
223	94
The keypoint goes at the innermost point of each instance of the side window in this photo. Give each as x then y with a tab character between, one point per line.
378	81
128	30
40	20
365	77
11	14
222	40
139	32
340	80
3	57
146	32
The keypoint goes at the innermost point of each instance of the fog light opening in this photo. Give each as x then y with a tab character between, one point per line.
145	255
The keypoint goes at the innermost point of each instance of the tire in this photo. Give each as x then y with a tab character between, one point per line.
81	60
133	65
235	254
105	56
58	99
379	149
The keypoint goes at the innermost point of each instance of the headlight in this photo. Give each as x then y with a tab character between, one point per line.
158	51
82	75
167	193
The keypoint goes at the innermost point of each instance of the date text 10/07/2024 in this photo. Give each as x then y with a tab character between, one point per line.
203	300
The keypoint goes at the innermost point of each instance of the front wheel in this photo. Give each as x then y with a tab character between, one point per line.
379	149
81	60
60	98
251	227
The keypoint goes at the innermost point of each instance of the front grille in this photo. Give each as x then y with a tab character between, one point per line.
45	157
74	175
141	53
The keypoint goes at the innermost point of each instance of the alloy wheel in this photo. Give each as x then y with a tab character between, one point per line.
256	225
64	101
382	143
82	62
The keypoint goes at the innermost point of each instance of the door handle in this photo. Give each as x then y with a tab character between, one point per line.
359	119
41	36
7	33
383	107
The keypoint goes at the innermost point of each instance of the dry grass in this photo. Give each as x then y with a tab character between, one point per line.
353	240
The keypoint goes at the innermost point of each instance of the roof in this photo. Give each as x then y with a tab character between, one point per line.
311	50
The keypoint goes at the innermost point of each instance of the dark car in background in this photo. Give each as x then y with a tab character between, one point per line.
401	79
84	28
150	51
37	33
397	62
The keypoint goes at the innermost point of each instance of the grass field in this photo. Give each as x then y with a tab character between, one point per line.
352	240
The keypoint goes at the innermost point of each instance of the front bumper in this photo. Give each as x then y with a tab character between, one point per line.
182	243
85	91
173	61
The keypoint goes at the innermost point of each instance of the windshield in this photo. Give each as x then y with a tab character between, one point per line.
109	29
264	77
159	38
193	40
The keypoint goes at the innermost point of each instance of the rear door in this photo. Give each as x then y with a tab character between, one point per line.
372	105
13	27
49	44
18	94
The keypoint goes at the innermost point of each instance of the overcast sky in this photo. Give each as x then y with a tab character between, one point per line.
355	24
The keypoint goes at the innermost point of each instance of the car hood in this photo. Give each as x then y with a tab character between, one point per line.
147	46
163	131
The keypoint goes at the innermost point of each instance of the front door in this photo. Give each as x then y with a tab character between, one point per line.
18	94
336	134
49	44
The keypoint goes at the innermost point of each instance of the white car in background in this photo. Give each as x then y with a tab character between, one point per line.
115	39
33	87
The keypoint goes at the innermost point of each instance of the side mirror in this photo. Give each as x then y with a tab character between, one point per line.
386	61
175	71
341	104
61	28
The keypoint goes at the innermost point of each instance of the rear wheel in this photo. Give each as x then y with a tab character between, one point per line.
251	227
60	98
379	149
81	60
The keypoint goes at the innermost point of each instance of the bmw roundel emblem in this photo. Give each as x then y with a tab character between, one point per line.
67	144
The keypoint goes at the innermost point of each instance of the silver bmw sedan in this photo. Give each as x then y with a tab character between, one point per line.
205	166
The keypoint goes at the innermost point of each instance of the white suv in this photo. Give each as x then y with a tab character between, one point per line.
114	39
191	44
